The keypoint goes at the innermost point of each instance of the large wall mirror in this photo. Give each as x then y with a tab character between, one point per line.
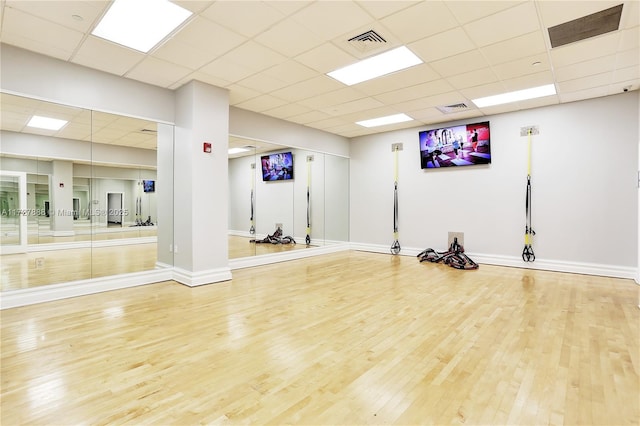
83	194
284	198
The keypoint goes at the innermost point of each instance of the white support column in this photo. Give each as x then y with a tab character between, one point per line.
201	185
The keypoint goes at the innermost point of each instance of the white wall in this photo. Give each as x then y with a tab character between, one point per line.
37	76
262	127
584	165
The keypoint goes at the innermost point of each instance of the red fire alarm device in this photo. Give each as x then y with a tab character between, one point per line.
207	147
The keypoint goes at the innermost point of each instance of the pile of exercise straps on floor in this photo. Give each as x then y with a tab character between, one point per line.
453	257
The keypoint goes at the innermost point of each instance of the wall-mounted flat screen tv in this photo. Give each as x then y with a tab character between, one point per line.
277	166
455	146
149	185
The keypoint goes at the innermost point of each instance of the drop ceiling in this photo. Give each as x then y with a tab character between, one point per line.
273	56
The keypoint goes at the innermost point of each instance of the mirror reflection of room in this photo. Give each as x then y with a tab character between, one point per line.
77	201
267	214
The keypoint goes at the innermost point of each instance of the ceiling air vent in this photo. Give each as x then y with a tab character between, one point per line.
367	41
588	26
448	109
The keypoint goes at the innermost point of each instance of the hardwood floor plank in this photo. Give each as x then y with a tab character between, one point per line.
345	338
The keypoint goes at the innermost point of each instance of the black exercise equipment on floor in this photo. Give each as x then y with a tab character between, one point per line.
527	252
275	238
395	246
453	257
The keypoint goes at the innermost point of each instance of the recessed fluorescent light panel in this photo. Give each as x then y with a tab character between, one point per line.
381	121
376	66
140	24
237	150
46	123
519	95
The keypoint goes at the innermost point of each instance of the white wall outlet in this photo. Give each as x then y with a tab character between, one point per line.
454	235
39	262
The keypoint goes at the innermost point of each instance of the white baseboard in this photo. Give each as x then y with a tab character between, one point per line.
247	262
193	279
48	293
614	271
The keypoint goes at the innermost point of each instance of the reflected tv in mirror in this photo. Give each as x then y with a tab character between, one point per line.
149	185
276	167
455	146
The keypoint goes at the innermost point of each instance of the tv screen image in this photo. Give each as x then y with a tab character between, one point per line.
277	166
455	146
149	185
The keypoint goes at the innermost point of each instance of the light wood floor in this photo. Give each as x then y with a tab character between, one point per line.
18	271
341	339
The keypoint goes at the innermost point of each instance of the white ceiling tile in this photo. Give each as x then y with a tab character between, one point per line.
586	68
62	12
288	7
459	64
287	110
583	83
226	71
208	37
559	12
253	56
630	14
421	20
110	57
528	81
523	66
200	76
628	58
589	93
489	89
195	6
308	88
325	58
381	8
584	50
158	72
290	71
473	78
183	54
442	45
289	38
335	97
501	26
308	117
515	48
630	39
353	106
630	74
248	18
37	34
473	10
261	103
398	80
239	94
262	83
414	92
328	123
330	19
448	98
